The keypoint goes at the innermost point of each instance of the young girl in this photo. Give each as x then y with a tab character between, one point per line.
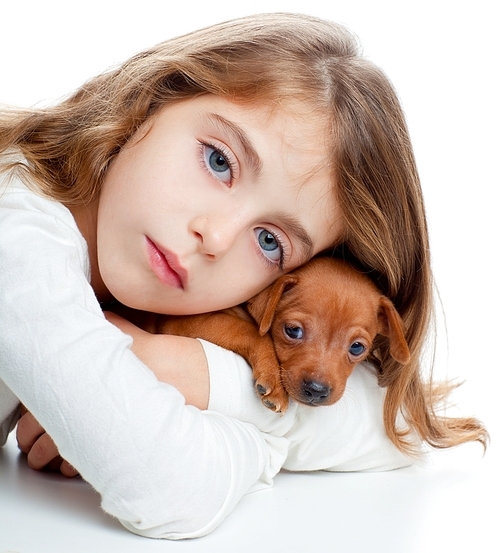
186	181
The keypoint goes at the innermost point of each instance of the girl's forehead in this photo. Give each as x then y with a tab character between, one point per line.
293	119
294	130
299	135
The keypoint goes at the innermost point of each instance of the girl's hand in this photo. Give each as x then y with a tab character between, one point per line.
41	451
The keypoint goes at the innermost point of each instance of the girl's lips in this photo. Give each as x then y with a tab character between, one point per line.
166	266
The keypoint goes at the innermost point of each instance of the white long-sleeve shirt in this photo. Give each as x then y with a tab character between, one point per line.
164	469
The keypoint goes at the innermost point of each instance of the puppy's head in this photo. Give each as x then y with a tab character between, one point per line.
323	319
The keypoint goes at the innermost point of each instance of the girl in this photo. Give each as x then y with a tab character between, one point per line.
186	181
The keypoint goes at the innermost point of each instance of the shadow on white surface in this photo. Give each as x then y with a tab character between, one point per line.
445	506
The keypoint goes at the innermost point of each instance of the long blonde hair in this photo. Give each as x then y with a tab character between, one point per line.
272	58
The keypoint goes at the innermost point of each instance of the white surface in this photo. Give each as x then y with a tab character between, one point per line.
442	56
448	506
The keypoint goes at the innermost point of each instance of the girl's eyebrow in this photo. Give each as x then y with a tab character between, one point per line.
251	156
293	225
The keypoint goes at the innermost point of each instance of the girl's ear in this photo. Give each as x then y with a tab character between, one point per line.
391	325
263	305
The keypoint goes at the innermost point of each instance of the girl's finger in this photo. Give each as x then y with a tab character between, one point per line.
43	451
68	470
28	431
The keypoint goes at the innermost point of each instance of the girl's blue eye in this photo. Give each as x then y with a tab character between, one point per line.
217	164
357	349
269	245
294	332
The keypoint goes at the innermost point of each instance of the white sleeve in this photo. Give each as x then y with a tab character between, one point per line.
152	458
347	436
9	411
232	393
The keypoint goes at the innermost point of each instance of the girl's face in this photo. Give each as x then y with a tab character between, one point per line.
210	202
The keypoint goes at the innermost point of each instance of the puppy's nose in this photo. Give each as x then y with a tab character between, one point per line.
315	393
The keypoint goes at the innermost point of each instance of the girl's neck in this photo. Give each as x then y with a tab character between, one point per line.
86	220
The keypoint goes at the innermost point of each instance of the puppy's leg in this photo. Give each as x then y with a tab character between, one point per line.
241	336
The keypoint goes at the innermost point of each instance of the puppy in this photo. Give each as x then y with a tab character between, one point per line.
303	335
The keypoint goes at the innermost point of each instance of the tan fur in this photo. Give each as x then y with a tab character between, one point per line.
333	304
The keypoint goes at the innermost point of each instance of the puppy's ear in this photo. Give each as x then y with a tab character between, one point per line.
263	305
391	325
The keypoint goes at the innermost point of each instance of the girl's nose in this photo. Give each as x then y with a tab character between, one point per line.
216	234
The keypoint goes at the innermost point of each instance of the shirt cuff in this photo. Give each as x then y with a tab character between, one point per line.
230	379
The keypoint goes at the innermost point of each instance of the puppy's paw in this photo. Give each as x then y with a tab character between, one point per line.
274	398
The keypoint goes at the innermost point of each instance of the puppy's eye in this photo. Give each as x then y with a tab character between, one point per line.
294	332
356	349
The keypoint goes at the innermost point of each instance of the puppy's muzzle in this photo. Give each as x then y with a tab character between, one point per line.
314	392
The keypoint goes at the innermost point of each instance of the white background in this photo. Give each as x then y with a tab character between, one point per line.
442	56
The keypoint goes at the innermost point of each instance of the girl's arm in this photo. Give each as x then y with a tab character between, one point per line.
150	456
175	360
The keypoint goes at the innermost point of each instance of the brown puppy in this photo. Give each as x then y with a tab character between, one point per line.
303	335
